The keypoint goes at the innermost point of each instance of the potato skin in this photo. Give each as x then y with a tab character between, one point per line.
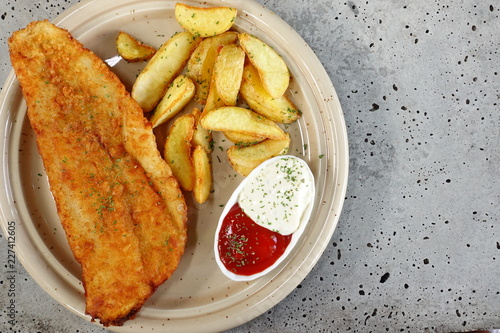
228	71
116	197
178	151
272	69
279	109
164	66
200	66
180	92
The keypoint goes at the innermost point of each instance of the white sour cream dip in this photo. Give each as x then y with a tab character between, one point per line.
277	197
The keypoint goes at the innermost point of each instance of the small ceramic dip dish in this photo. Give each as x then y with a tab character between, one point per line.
264	218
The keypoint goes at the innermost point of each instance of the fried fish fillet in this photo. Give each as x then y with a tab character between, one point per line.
121	208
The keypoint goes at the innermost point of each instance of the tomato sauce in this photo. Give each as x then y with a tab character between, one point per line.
246	248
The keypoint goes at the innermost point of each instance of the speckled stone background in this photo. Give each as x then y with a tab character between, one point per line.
417	248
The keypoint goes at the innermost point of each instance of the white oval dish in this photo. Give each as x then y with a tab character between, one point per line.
234	199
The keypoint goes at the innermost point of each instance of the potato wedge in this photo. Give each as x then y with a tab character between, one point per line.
201	136
228	70
180	92
237	119
178	151
131	49
214	100
242	140
279	109
203	175
205	22
201	63
169	60
245	159
272	69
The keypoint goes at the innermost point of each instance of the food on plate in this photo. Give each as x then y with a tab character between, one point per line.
178	94
214	100
245	159
272	69
245	248
201	63
131	49
178	151
203	175
228	69
122	210
186	150
279	109
277	197
264	218
238	119
162	68
220	72
240	139
119	202
205	22
201	136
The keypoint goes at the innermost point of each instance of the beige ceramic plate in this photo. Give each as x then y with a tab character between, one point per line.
198	294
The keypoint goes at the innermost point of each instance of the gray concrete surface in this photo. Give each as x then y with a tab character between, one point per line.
417	248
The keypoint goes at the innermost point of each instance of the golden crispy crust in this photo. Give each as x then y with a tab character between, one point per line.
122	210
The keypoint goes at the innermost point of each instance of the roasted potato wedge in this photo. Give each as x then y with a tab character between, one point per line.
214	100
237	119
201	136
180	92
131	49
228	70
205	22
245	159
169	60
240	139
279	109
201	63
203	175
272	69
178	151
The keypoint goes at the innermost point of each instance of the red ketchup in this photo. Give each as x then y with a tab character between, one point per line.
246	248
